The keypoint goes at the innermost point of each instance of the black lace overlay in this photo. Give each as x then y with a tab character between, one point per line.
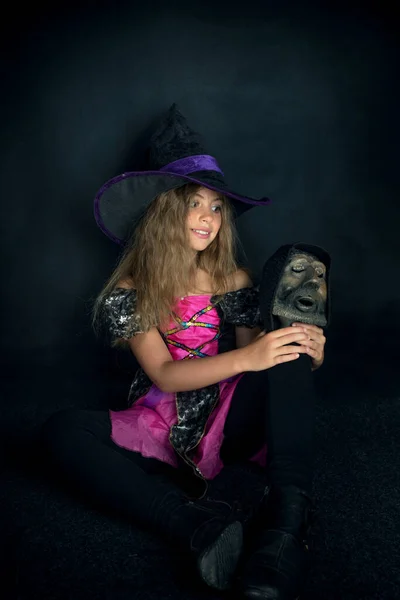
240	308
139	387
193	408
118	314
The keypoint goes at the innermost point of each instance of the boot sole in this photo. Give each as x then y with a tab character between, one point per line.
217	563
258	595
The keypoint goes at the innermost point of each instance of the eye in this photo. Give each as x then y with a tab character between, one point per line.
298	268
320	273
217	208
193	203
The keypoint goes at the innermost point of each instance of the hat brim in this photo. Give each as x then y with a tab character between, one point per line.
122	200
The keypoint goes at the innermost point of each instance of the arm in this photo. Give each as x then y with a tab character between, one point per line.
155	359
263	353
168	375
182	375
172	376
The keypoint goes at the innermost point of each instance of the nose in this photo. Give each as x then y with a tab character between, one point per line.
313	275
207	215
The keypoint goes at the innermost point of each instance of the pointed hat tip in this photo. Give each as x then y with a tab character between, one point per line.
174	114
174	108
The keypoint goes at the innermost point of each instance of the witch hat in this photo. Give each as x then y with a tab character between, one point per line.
176	156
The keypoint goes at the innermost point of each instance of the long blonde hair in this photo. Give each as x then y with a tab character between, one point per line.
158	260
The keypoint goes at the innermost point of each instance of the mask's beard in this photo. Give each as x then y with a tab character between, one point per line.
303	304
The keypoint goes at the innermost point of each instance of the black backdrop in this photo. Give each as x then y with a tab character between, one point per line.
297	100
299	103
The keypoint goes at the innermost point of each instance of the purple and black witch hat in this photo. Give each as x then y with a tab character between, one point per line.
175	157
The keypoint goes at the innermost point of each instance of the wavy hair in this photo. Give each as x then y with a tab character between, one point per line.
158	261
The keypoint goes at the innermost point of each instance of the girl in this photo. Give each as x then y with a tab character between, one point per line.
174	290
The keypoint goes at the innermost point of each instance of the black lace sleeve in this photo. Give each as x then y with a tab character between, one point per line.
240	308
118	315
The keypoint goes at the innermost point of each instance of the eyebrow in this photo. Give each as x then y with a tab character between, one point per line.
315	260
215	199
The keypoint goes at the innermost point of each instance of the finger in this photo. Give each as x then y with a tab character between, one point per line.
311	344
290	350
320	340
315	353
287	331
308	326
286	358
317	337
289	339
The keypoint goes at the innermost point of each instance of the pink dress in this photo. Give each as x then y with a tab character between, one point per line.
145	427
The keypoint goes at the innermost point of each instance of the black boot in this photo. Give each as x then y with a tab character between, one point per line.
279	560
215	540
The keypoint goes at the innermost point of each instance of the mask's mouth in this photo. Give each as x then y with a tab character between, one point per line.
306	303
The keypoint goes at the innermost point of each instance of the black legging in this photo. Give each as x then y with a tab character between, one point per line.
274	406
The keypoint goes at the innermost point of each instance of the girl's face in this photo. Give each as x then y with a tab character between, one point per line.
203	218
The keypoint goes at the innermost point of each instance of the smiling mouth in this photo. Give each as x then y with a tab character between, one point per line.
201	233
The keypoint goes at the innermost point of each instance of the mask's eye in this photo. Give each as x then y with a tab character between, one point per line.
297	268
320	273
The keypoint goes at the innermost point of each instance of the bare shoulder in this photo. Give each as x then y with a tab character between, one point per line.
241	279
126	283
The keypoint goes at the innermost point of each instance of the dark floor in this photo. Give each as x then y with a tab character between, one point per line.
57	548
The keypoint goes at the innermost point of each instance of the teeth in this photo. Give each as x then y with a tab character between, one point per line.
200	231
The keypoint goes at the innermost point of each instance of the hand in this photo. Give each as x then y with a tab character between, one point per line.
270	349
315	345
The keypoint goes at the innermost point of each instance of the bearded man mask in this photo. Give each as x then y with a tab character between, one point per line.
295	287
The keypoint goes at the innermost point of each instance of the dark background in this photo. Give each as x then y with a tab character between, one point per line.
298	102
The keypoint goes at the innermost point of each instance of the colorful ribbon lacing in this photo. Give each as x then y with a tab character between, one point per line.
192	322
